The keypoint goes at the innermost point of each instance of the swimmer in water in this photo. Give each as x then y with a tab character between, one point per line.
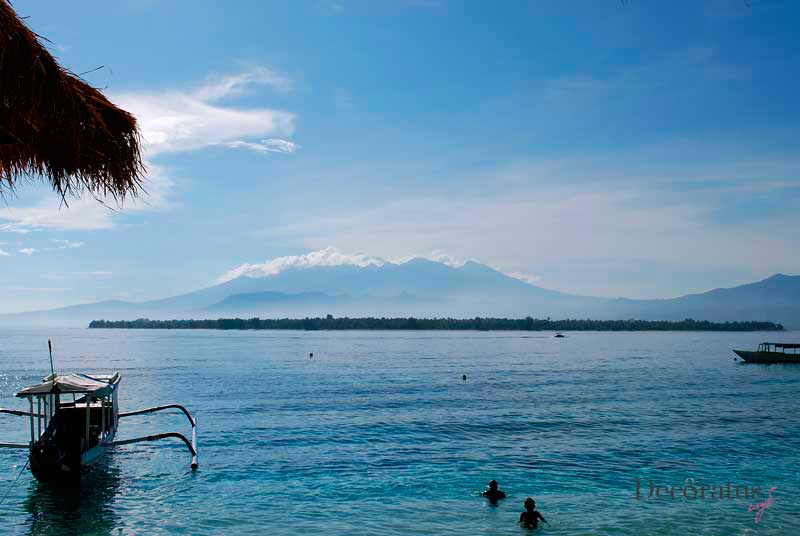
530	517
492	493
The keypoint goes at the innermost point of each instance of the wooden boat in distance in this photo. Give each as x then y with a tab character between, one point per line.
73	422
772	352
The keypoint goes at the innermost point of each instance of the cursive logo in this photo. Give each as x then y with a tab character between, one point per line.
691	490
762	506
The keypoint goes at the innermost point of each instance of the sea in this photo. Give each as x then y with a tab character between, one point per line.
378	433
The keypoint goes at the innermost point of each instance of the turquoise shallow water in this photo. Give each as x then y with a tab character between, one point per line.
378	434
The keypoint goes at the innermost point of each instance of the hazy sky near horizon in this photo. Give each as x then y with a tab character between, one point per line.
640	149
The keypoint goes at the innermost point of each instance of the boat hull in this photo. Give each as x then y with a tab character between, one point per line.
55	465
49	464
59	454
52	463
96	453
767	358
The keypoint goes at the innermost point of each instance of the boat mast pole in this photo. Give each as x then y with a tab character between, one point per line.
50	347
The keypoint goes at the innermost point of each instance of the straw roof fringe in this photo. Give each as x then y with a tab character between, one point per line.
55	127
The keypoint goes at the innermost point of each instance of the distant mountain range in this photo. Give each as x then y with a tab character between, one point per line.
425	288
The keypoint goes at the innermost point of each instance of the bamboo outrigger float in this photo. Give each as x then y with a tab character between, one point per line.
73	422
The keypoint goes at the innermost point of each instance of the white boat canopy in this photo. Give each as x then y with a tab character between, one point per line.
98	386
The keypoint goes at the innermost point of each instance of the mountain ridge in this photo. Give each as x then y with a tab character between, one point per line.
422	287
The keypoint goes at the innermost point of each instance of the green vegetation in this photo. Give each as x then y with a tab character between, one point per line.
480	324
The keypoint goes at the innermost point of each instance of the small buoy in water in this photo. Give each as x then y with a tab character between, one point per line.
311	354
464	377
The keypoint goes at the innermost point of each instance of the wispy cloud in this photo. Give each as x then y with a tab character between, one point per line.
176	121
236	84
527	278
68	244
265	146
561	229
77	275
172	121
329	7
692	73
40	289
86	213
82	214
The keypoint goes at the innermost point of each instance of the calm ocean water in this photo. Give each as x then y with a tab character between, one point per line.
378	434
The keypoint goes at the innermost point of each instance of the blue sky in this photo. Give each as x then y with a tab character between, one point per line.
609	148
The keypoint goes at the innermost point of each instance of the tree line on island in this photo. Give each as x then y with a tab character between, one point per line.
474	324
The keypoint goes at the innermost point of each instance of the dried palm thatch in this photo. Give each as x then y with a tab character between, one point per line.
55	127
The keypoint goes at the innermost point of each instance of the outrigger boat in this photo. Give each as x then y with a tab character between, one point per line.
73	420
772	352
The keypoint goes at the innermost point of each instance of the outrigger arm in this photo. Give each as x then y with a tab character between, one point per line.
192	445
18	413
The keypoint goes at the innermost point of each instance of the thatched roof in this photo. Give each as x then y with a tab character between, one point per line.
55	127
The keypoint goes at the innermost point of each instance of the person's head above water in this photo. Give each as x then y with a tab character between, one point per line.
531	517
492	493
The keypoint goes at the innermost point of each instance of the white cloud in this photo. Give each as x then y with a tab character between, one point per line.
77	275
27	251
236	84
445	258
329	7
170	121
567	233
527	278
328	256
437	255
40	289
264	146
68	244
331	256
176	121
85	213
